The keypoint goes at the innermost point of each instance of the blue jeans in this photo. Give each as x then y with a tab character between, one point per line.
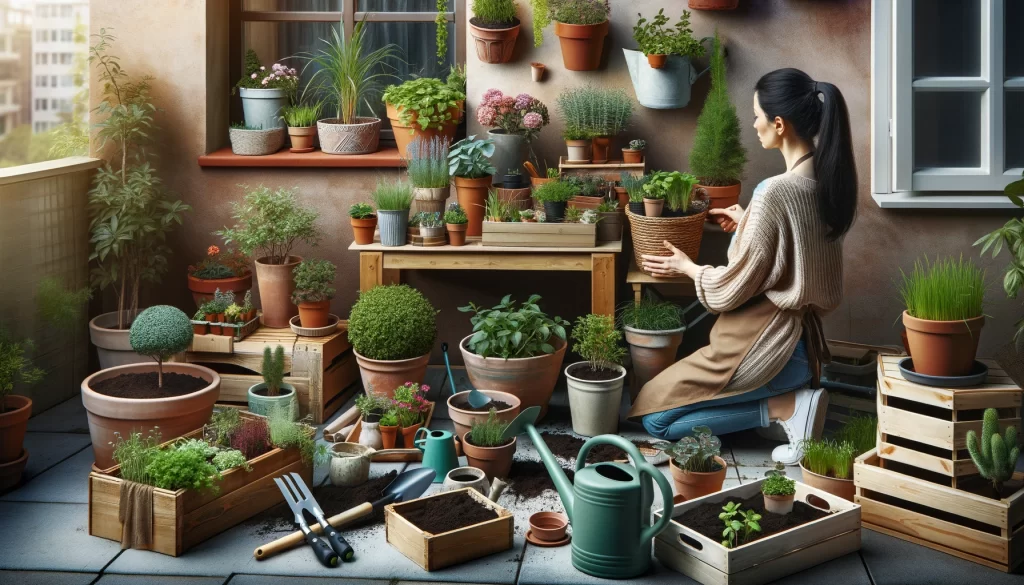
734	413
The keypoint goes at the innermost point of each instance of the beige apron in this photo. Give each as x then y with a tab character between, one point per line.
704	374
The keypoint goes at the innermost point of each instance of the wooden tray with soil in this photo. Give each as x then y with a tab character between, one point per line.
821	527
468	526
392	455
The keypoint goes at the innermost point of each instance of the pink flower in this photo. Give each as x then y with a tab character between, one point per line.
292	71
424	388
491	97
533	120
253	76
264	82
408	384
485	115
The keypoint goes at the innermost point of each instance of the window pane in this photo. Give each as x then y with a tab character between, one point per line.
401	6
418	40
1014	123
293	5
947	38
1014	39
947	129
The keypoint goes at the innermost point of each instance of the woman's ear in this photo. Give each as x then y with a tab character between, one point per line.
780	126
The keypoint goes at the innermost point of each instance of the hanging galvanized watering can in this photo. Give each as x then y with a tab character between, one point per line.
665	88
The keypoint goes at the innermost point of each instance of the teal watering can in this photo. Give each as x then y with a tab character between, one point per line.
438	449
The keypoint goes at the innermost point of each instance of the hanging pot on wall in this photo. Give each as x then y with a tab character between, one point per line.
276	284
664	88
582	44
494	45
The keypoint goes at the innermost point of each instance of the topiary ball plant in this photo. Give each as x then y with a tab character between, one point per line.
393	322
160	332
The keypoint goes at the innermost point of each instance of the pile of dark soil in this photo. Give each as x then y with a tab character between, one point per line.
145	386
447	512
529	479
568	447
704	519
495	404
585	372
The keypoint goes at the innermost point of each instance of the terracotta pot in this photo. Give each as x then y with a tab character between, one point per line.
10	472
943	348
405	134
630	156
409	435
549	526
579	151
582	44
472	195
493	461
302	138
599	148
692	485
714	4
200	328
457	233
537	71
383	376
586	202
112	345
781	505
175	416
651	353
622	196
531	379
464	419
721	197
843	488
214	329
203	289
14	416
314	314
388	436
494	45
653	207
538	181
362	229
656	61
276	284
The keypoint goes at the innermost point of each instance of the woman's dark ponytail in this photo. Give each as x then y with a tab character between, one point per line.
793	96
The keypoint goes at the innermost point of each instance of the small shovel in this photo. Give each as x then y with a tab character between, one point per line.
477	399
526	418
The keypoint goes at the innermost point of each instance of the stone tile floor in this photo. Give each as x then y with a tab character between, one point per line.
44	533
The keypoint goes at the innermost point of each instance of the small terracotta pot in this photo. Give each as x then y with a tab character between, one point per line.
537	71
721	197
623	197
714	4
381	377
630	156
781	505
302	138
200	328
653	207
472	195
10	472
314	314
582	44
203	289
843	488
549	526
494	45
15	411
493	461
656	61
599	148
457	234
409	435
276	284
692	485
538	181
214	329
388	436
943	348
464	419
362	229
531	379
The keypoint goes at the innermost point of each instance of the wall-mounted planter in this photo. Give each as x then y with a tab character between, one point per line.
665	88
494	45
582	44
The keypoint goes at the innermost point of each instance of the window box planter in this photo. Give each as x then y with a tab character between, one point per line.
535	234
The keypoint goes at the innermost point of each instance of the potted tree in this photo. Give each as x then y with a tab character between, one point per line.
555	196
696	465
486	450
494	28
15	368
718	155
595	385
393	200
177	397
515	124
392	330
468	162
364	222
226	270
314	280
635	152
654	331
301	120
423	107
273	394
518	350
265	93
427	166
779	492
581	26
268	225
456	222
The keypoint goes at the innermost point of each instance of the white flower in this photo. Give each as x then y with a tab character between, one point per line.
262	68
253	76
265	81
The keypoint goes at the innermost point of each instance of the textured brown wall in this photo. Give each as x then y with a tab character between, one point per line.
829	39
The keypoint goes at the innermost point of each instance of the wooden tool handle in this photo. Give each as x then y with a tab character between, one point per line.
531	169
296	538
350	416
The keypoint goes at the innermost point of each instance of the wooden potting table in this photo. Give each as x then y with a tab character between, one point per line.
380	264
637	278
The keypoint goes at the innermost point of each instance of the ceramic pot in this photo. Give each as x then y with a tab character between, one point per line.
112	345
409	435
362	230
14	416
363	137
599	149
630	156
578	150
256	142
393	226
637	207
714	4
466	477
277	283
457	234
509	150
537	71
463	419
843	488
494	45
203	288
314	314
581	44
301	138
493	461
472	196
721	197
406	133
653	207
432	232
609	226
943	348
350	464
781	505
262	107
531	379
175	416
548	526
369	435
586	202
431	199
383	376
651	353
389	436
656	61
594	404
554	211
286	401
691	484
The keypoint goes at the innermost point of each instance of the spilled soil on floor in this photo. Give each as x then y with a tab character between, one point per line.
567	447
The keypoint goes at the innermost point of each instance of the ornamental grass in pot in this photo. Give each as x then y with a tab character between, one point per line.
514	122
456	223
469	163
486	450
515	349
364	223
423	107
696	465
554	196
581	26
225	270
265	93
654	330
494	28
301	120
268	225
393	199
779	492
16	367
634	187
595	385
827	464
273	394
313	292
427	166
392	329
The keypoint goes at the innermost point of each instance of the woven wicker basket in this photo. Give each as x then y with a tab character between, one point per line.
649	233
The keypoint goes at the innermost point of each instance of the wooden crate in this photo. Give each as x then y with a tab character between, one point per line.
184	518
323	370
393	455
436	551
774	557
536	234
609	171
906	504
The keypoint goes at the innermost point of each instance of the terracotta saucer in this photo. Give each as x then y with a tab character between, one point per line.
332	325
534	541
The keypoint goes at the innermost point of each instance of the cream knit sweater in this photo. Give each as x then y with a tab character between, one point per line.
780	250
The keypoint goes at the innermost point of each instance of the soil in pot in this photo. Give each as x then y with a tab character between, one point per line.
145	386
585	372
265	392
448	512
704	518
495	404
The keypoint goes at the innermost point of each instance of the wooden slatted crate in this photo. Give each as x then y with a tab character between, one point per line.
537	234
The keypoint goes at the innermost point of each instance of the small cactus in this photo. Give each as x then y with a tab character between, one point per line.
996	455
273	369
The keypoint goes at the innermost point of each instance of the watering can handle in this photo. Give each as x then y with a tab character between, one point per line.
706	69
419	443
666	496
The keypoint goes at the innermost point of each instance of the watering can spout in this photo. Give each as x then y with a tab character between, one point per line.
562	484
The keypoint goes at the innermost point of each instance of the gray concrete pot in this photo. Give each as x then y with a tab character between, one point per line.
256	142
665	88
392	226
509	151
262	107
594	404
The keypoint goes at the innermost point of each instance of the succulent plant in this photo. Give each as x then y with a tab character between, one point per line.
995	455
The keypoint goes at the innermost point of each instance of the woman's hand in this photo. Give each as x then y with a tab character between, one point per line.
677	264
729	217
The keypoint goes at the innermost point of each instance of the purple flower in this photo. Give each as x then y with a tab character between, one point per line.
533	120
523	101
292	71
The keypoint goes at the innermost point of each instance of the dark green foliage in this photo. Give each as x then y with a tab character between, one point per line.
160	332
995	455
696	452
495	12
361	211
455	215
470	158
273	369
718	155
778	485
508	332
651	315
555	191
224	424
15	366
313	280
213	271
1012	235
597	341
654	38
250	65
393	322
59	305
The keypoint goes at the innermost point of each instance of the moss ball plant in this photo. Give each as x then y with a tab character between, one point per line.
160	332
393	322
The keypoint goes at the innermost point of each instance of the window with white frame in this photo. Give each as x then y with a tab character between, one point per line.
948	99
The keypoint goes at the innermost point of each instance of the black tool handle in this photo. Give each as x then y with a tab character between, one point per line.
339	544
324	552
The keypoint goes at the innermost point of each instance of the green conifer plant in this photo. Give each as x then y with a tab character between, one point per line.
718	156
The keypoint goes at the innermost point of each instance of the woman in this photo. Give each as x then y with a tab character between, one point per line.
784	270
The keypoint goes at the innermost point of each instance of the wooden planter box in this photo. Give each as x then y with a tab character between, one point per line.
766	560
185	518
539	235
436	551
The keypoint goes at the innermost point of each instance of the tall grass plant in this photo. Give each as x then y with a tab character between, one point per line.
946	290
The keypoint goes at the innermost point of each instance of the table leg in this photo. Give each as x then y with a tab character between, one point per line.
637	292
372	272
602	284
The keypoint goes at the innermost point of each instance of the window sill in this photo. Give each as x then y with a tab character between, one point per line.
922	200
385	158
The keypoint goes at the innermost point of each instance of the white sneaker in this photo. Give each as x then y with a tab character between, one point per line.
807	422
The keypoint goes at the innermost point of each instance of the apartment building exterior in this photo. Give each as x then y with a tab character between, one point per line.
54	50
15	66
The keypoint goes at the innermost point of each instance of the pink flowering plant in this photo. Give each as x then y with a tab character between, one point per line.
523	114
410	404
257	76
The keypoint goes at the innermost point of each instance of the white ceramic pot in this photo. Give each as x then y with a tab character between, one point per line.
579	150
466	477
350	464
369	435
594	404
781	505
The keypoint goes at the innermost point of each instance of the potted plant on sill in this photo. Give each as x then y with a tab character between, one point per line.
130	212
944	315
662	70
176	397
779	492
346	76
555	196
514	124
718	155
226	270
364	223
513	349
696	465
314	291
581	26
494	28
713	4
301	120
456	222
423	107
373	408
268	226
410	406
265	93
654	331
393	200
595	385
486	450
635	153
427	166
468	162
249	140
15	368
634	187
392	329
273	394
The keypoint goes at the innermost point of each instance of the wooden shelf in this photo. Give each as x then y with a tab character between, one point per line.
384	158
474	245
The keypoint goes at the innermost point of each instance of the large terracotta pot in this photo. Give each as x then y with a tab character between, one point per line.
277	283
943	348
383	376
630	156
472	195
493	461
531	379
175	416
843	488
714	4
362	229
112	345
582	44
651	353
721	197
692	485
10	472
464	419
494	45
203	289
14	416
314	314
405	134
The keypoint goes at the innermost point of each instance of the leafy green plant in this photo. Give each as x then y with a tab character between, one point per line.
554	191
487	433
361	211
495	209
428	220
224	423
370	405
495	12
718	154
695	453
457	77
597	341
393	195
270	223
828	457
778	485
1012	235
995	455
428	163
233	313
220	264
60	305
134	454
508	332
393	322
469	158
432	100
654	37
229	459
651	315
738	531
637	144
634	186
580	11
389	419
541	20
177	469
245	126
313	281
441	31
527	214
200	445
946	290
302	115
159	332
572	215
859	431
674	187
607	206
273	369
455	215
288	434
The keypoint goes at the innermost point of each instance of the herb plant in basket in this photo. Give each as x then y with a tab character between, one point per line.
364	222
555	196
595	385
779	492
226	270
494	28
654	331
314	280
273	393
456	223
696	464
581	26
486	450
676	190
469	162
423	107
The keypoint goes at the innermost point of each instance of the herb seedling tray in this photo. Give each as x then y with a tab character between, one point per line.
238	332
392	455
